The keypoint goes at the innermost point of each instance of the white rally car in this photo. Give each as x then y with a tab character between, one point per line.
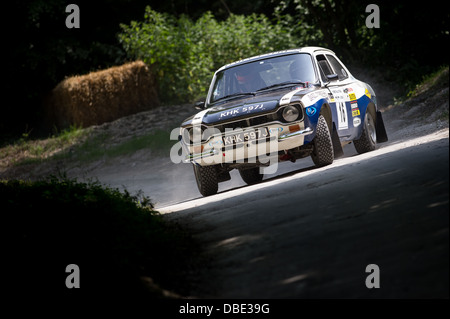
276	107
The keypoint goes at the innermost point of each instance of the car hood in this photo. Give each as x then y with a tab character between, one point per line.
244	107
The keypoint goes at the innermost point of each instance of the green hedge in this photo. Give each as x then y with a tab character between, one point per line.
184	54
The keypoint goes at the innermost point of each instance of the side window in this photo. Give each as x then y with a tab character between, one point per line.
324	67
338	68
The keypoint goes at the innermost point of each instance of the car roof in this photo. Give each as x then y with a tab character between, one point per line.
309	50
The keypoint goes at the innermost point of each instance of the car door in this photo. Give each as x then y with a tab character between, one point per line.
342	95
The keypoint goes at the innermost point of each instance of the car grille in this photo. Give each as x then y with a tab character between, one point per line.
254	121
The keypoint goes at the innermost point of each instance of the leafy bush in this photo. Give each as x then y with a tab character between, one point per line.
184	54
115	239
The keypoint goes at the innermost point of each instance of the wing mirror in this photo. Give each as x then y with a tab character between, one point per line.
199	105
332	77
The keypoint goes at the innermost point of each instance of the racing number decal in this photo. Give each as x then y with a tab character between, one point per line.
342	115
341	97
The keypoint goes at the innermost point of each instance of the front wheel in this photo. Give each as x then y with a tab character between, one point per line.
368	139
323	153
206	178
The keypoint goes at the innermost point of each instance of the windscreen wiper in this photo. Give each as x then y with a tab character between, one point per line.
234	95
281	85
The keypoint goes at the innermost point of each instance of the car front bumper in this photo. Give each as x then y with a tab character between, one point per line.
281	137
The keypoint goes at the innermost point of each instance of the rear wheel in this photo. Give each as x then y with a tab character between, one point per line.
368	139
323	153
206	177
251	175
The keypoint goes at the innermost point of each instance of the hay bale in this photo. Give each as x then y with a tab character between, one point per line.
102	96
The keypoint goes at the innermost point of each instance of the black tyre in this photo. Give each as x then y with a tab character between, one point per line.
251	176
323	153
368	139
206	177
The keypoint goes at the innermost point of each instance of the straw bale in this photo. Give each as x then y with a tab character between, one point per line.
102	96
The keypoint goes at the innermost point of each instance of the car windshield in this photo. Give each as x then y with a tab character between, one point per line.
260	75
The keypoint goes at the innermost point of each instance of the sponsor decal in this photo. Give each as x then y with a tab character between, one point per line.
339	95
348	90
313	97
352	96
246	109
215	143
310	111
356	121
355	109
367	93
216	114
355	112
229	113
275	129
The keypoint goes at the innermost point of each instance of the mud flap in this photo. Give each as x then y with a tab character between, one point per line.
223	177
337	147
380	129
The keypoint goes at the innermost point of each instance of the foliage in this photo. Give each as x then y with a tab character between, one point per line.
112	236
41	51
184	54
407	45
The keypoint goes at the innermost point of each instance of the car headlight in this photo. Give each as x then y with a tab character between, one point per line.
290	113
194	134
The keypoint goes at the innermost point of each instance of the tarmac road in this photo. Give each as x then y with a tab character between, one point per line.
311	232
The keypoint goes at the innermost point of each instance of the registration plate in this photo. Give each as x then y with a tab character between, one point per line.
245	136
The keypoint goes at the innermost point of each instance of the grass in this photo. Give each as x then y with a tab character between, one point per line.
430	80
117	240
428	86
101	146
81	144
26	150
